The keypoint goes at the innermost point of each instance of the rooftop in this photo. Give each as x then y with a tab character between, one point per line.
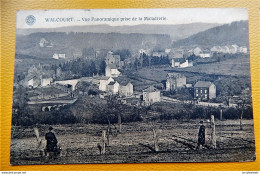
202	84
150	89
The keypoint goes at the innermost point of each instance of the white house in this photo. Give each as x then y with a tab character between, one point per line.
112	71
59	56
186	64
113	87
104	81
151	95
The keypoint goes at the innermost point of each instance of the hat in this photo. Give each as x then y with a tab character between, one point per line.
201	122
50	128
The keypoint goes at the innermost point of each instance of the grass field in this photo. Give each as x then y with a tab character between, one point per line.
177	143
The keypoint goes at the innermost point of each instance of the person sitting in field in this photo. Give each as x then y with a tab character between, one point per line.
201	135
51	142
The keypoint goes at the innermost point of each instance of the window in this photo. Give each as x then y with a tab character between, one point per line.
201	91
206	96
205	91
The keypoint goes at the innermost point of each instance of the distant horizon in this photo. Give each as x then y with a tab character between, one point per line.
130	25
112	17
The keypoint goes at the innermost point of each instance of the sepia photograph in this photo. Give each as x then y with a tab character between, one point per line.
132	86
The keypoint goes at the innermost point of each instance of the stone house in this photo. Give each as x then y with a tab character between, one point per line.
204	90
151	95
126	89
175	81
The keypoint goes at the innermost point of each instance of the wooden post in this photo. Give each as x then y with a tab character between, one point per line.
213	132
221	117
103	142
155	139
241	117
120	123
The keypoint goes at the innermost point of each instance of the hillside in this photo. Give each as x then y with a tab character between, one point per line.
74	42
234	33
176	32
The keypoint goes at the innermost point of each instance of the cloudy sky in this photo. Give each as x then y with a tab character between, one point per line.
61	18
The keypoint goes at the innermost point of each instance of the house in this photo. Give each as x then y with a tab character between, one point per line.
104	81
143	51
58	56
112	71
159	54
126	89
43	42
185	64
112	59
70	83
151	95
175	81
215	49
46	80
113	87
197	51
32	81
204	90
167	50
205	54
176	62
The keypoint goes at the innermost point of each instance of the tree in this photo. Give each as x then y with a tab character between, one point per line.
102	67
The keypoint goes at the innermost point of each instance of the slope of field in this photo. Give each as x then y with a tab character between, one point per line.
234	67
177	143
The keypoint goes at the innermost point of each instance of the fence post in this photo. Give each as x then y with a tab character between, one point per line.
213	132
221	117
155	139
120	123
103	142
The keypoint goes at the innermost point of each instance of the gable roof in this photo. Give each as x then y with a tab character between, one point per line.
111	66
112	83
175	75
150	89
202	84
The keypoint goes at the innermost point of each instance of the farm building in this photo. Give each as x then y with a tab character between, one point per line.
46	80
204	90
126	89
112	71
104	81
113	87
175	81
151	95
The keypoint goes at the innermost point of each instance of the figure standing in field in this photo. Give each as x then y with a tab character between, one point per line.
201	135
51	142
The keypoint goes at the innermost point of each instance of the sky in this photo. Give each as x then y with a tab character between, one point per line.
62	18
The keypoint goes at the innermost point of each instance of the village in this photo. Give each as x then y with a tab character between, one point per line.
45	89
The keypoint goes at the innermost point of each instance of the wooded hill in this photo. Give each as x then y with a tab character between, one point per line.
228	34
